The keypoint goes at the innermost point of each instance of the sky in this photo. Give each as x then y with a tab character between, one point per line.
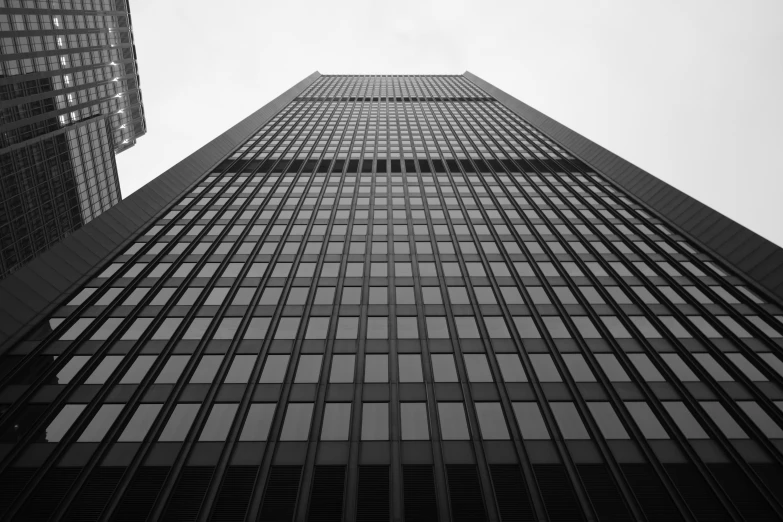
692	91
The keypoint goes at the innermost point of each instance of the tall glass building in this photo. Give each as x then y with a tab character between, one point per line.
69	100
396	298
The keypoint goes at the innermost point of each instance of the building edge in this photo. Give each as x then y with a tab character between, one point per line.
752	256
28	295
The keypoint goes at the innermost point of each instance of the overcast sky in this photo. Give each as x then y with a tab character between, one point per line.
691	91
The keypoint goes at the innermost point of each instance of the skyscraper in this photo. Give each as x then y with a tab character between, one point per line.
396	298
70	101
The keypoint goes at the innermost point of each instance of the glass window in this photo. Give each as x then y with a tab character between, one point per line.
179	423
530	421
172	369
309	368
219	422
711	365
378	327
287	328
100	423
410	367
71	368
491	421
466	327
138	369
586	327
646	420
274	369
140	423
241	368
197	328
74	331
685	420
615	327
375	421
207	369
496	327
407	328
136	329
342	368
227	328
773	361
511	367
556	327
453	424
317	328
478	367
60	425
324	295
545	368
569	421
337	421
608	422
678	366
106	329
725	422
750	371
578	367
414	421
437	328
257	328
379	295
376	368
612	368
347	327
527	328
258	422
645	367
443	367
297	421
765	423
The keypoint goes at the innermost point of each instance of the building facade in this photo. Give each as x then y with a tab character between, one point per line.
70	98
396	298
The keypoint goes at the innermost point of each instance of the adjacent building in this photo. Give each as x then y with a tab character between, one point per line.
69	90
396	298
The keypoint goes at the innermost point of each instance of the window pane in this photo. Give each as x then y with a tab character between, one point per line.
71	368
376	368
478	368
511	367
337	417
765	423
491	421
105	368
569	421
545	368
347	327
453	424
317	328
342	368
63	421
466	327
172	369
530	421
241	368
257	423
138	369
414	421
556	328
377	327
678	366
309	368
437	328
219	422
274	369
287	328
578	367
297	421
443	368
746	367
407	328
685	420
375	421
206	369
410	367
712	366
179	423
611	367
646	420
725	422
100	424
644	366
607	420
140	423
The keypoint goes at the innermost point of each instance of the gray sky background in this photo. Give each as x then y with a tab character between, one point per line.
691	91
